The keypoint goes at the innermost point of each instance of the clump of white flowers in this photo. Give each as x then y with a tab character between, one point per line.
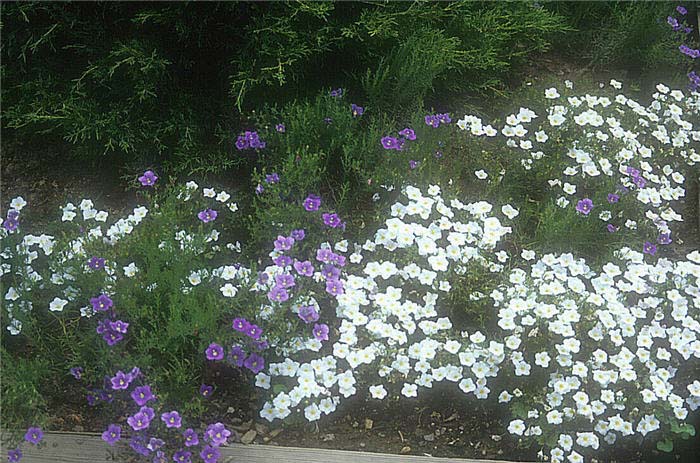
613	146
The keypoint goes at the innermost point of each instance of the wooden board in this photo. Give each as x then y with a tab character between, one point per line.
89	448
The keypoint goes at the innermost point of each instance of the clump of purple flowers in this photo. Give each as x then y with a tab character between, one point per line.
249	140
272	178
112	331
434	120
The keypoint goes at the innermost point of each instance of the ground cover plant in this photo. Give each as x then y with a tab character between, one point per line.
537	259
444	290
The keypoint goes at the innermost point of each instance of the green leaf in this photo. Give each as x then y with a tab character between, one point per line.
665	445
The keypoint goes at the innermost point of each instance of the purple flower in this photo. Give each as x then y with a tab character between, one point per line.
13	456
237	356
142	395
312	203
331	220
324	255
214	352
171	419
649	248
121	380
390	143
101	303
259	189
210	454
613	198
584	206
330	272
96	263
254	332
338	92
206	391
34	435
119	326
191	437
240	324
408	133
91	397
10	225
298	235
278	294
260	345
207	215
413	164
217	434
254	363
321	331
282	260
283	243
680	9
338	260
280	128
664	238
304	268
112	434
112	337
182	456
686	50
308	314
272	178
77	372
138	444
639	181
328	120
148	178
357	110
673	22
334	287
285	280
139	421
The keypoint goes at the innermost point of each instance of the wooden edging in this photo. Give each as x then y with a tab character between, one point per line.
58	447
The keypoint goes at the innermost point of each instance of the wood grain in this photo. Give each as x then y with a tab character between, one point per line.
89	448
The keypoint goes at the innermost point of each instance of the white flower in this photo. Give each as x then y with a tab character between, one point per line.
409	390
516	427
18	203
222	197
262	380
312	412
509	211
377	392
228	290
208	192
57	304
130	270
481	174
551	93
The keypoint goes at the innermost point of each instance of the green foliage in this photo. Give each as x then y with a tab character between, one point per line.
23	403
632	35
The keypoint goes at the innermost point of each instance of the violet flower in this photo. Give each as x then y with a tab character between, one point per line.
312	203
308	314
584	206
206	390
171	419
237	356
321	331
649	248
207	215
34	435
148	178
142	395
112	434
214	352
254	363
191	438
